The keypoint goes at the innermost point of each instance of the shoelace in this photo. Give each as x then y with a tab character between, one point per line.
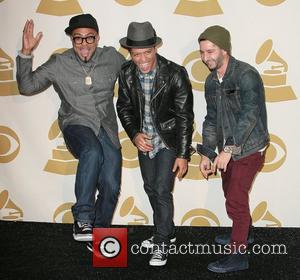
85	226
158	254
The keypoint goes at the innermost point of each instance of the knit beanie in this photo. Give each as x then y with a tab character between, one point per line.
217	35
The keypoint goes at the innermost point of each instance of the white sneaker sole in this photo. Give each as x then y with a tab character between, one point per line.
83	237
90	247
155	263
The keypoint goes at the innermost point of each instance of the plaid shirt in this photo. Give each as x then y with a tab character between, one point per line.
147	82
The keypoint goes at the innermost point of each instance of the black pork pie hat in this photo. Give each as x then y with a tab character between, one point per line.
82	21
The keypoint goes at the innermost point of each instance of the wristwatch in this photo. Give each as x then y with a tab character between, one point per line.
232	149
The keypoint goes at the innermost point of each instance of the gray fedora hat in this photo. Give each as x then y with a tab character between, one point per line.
140	35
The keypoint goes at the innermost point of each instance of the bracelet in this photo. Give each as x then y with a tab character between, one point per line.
232	149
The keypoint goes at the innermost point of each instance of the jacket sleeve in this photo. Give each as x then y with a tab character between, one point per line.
184	113
252	100
33	82
209	127
125	108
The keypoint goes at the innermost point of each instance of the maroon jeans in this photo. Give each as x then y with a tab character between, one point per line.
237	181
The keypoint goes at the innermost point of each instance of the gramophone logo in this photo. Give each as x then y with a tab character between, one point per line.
9	144
8	86
129	151
60	51
262	216
274	74
59	7
200	217
62	161
193	170
270	2
196	8
275	154
128	2
9	211
197	69
63	213
128	209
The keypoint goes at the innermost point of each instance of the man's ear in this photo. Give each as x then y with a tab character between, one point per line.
98	38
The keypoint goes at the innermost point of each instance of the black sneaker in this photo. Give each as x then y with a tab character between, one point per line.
224	239
230	263
89	246
148	243
159	256
82	231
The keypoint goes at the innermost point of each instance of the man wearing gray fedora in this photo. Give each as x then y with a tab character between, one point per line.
155	106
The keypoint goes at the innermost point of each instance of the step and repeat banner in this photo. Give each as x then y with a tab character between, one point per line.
37	172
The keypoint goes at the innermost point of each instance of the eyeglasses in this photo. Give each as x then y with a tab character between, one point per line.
88	40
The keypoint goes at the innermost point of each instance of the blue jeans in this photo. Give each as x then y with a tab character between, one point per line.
99	168
158	184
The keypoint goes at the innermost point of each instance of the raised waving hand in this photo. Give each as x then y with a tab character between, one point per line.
29	41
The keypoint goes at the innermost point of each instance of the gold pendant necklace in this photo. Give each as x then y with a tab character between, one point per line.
88	79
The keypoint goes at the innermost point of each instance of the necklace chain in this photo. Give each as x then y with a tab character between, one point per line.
88	78
90	72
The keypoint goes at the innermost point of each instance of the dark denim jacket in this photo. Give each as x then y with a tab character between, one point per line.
236	110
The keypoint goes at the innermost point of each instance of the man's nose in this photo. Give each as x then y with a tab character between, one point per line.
143	57
204	57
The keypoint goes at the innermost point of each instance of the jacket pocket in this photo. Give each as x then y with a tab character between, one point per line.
104	83
168	125
233	98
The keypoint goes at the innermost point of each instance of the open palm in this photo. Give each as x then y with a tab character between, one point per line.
29	41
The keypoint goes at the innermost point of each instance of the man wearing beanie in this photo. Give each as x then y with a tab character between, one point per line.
235	124
84	78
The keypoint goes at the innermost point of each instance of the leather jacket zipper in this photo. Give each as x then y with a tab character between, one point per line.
153	120
141	113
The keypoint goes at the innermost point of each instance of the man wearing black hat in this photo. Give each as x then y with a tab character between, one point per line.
236	123
84	78
155	106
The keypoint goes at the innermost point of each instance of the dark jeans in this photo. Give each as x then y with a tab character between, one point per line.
237	181
158	184
99	168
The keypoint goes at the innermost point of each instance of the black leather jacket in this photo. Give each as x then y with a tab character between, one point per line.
171	104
